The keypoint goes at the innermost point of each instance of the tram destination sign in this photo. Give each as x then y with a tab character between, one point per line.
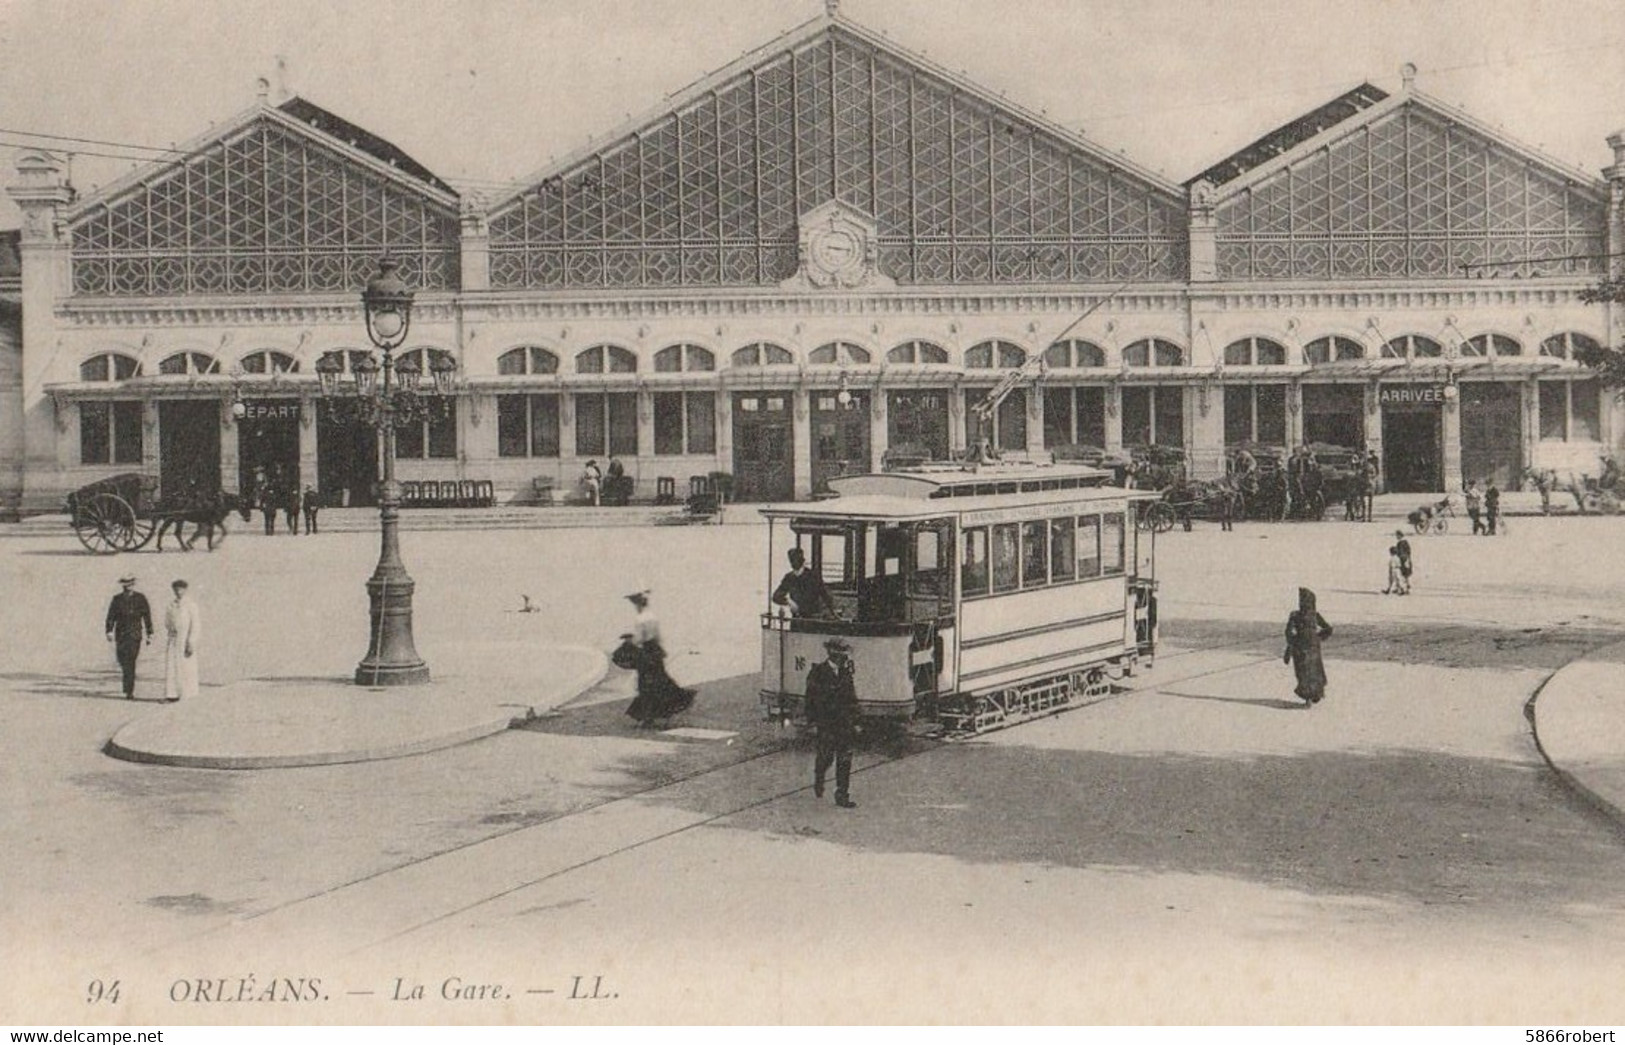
1411	395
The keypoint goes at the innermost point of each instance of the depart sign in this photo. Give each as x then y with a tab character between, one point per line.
1410	395
271	410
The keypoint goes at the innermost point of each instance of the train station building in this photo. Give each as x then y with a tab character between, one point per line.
816	260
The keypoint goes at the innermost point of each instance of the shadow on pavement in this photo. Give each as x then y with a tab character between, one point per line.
1430	643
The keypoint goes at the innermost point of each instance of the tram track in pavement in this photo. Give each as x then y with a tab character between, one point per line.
467	877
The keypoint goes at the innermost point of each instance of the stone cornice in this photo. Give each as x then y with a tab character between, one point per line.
178	312
1380	297
947	302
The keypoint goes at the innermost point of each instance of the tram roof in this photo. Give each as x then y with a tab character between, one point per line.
891	508
957	481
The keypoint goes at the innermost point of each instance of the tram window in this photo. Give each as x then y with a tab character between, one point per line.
927	579
1006	557
1034	554
1063	562
831	558
973	567
1111	544
1088	547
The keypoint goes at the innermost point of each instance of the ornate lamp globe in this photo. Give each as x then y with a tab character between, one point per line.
388	306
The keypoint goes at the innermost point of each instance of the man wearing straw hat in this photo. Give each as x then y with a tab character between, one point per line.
832	706
128	619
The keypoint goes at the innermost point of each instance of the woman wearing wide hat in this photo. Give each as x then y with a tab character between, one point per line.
659	696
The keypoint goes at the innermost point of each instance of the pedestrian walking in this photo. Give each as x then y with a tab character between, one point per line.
268	494
832	708
183	624
659	695
1475	506
1402	548
1396	581
129	622
1305	628
311	504
592	481
1492	507
290	507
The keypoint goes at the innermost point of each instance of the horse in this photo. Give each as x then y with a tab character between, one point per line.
206	516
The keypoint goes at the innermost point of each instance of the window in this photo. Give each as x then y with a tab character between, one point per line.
991	355
1570	411
190	363
1255	351
1255	414
1008	430
1088	547
528	359
607	424
917	352
763	354
1035	554
1153	351
1006	557
1412	346
110	432
677	358
1332	350
1154	416
973	571
1074	353
1063	562
1562	346
1111	545
930	569
110	366
433	436
528	426
269	362
346	359
685	422
1490	345
842	352
1074	417
606	359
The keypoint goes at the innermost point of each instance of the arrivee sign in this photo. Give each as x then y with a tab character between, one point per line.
1410	395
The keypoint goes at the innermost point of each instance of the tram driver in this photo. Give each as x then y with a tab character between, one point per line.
802	591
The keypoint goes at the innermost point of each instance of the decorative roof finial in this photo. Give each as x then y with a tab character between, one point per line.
832	8
1407	76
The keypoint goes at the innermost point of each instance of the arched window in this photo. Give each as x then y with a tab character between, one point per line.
1153	351
1412	346
346	358
921	352
606	359
842	352
529	359
426	358
675	358
269	362
190	363
762	353
991	355
109	366
1332	350
1490	345
1254	351
1075	353
1563	346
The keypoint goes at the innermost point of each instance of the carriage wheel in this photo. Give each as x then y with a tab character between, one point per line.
1160	517
140	534
1441	526
101	523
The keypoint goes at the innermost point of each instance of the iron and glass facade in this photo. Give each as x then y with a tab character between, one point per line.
815	261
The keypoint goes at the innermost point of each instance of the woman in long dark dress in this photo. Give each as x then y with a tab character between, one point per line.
659	695
1305	627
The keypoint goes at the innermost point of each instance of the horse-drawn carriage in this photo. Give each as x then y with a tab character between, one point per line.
123	513
1258	472
1156	467
1189	499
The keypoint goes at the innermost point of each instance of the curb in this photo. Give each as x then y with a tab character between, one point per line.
1574	780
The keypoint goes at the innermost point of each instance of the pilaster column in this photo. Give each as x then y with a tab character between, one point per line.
309	461
1450	421
567	431
474	244
31	477
1036	444
879	428
801	439
1294	414
1204	233
229	447
956	421
1204	409
1114	418
725	431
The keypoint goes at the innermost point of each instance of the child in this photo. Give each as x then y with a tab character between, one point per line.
1395	579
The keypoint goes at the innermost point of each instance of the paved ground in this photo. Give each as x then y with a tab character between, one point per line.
1197	849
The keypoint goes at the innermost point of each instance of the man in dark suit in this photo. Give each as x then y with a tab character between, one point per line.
129	620
832	706
802	591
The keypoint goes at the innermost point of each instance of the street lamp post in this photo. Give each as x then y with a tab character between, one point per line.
392	658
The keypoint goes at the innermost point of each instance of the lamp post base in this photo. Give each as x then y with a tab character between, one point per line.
392	657
374	673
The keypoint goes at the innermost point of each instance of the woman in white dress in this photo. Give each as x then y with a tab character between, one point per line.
184	626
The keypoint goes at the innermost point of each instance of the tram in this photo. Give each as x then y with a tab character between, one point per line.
976	597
